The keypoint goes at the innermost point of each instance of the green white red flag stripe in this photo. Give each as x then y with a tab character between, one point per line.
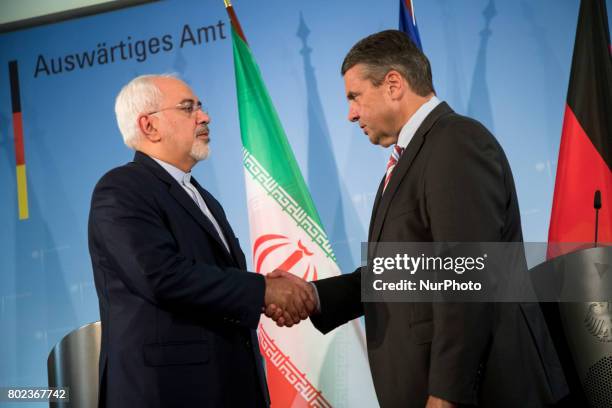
304	367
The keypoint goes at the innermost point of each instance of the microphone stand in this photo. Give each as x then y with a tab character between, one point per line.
597	206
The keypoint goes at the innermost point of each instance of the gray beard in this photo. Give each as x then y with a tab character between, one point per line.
199	151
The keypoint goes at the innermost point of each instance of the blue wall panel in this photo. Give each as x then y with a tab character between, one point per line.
505	63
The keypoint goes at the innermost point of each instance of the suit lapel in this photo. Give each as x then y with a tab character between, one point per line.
226	229
180	195
375	207
383	201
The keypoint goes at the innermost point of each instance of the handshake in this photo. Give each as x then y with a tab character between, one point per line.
288	299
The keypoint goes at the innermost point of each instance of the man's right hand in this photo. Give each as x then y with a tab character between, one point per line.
288	299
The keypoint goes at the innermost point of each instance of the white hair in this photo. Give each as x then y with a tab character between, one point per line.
139	96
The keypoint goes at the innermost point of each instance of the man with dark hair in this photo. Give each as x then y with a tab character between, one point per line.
447	180
379	55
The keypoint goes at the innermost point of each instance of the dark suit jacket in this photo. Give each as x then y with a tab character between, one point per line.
178	311
452	184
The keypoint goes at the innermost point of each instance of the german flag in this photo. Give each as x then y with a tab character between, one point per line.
22	182
585	153
584	165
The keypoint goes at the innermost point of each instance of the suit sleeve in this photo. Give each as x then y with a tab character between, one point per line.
340	301
466	201
128	235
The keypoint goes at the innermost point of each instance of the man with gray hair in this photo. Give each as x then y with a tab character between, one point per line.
177	306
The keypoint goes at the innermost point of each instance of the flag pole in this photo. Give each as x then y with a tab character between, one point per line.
234	20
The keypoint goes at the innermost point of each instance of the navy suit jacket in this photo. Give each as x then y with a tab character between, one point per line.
178	311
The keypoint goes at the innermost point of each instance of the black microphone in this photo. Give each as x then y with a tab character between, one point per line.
597	206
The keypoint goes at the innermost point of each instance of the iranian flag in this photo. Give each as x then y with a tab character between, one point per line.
304	367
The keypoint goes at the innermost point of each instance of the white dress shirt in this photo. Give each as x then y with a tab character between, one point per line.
415	121
184	179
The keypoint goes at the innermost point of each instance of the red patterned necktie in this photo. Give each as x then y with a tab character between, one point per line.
395	155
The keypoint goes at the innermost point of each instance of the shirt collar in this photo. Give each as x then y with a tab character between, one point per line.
415	121
176	173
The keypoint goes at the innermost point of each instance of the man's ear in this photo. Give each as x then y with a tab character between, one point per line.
396	85
148	128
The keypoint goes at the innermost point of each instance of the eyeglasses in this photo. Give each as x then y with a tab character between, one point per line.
189	107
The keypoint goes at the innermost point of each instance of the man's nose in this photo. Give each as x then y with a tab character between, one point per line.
353	114
202	116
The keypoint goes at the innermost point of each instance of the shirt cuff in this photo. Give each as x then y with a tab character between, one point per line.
318	301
